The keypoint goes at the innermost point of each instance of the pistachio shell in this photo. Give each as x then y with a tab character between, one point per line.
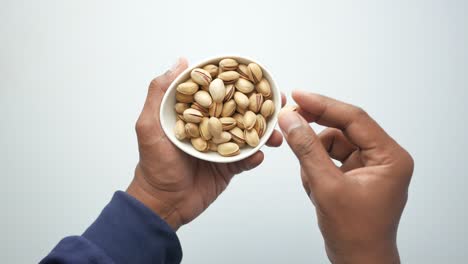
217	90
254	72
204	131
251	137
212	69
244	86
187	88
240	110
237	135
255	102
264	88
184	98
203	98
260	125
212	146
215	109
200	108
229	108
201	76
228	64
239	119
228	149
199	144
180	117
243	71
222	138
179	130
268	108
180	107
215	127
229	76
241	100
192	115
230	89
228	123
191	130
250	119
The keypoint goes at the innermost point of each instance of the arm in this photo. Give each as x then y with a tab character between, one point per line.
358	204
126	231
169	189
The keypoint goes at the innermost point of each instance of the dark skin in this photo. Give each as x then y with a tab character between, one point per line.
358	204
178	187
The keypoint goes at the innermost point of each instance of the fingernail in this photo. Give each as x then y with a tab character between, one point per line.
175	65
289	120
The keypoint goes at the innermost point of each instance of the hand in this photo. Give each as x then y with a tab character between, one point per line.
173	184
358	204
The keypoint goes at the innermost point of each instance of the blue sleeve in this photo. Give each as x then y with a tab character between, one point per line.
126	231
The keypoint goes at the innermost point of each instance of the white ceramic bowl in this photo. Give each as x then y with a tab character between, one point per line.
168	114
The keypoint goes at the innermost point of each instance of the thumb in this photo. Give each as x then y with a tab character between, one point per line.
307	146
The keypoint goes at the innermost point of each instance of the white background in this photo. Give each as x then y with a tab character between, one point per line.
73	78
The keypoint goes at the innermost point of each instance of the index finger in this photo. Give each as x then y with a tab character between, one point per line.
355	123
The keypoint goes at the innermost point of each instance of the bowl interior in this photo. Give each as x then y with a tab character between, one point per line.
168	115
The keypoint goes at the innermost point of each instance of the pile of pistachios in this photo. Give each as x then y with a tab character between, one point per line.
223	107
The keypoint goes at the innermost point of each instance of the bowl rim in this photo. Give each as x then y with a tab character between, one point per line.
218	158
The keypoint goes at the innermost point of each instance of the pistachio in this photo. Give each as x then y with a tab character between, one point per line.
215	127
255	102
204	131
250	119
229	76
228	64
203	98
192	115
228	149
217	90
254	72
179	130
191	130
240	110
244	86
180	107
222	138
201	76
268	108
215	109
251	137
243	71
187	88
212	69
212	146
239	119
229	108
237	135
200	108
241	100
180	117
199	144
228	123
184	98
264	88
230	89
223	107
260	125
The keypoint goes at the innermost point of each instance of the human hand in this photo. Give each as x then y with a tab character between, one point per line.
358	204
174	185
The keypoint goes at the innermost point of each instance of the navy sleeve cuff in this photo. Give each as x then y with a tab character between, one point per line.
129	232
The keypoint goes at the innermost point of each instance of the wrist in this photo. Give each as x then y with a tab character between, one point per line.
362	253
141	190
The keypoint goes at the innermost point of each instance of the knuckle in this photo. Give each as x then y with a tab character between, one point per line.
143	125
